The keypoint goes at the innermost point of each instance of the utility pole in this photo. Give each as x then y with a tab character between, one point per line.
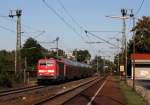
98	71
124	14
57	45
133	17
25	69
118	57
97	65
18	68
104	65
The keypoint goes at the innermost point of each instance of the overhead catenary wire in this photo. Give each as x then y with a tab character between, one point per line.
23	25
78	25
100	38
140	7
3	16
107	31
67	12
90	44
74	20
66	23
62	19
13	31
71	17
10	30
69	25
7	29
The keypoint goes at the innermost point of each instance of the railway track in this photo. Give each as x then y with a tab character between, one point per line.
34	95
19	90
66	95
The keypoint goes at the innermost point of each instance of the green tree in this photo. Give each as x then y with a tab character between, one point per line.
6	68
7	60
33	51
61	53
104	66
142	36
121	59
100	63
53	53
82	55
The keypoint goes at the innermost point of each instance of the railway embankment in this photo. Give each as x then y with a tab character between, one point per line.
142	91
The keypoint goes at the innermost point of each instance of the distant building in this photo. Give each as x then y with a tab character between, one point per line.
142	66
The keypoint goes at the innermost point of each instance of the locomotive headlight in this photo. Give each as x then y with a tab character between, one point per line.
51	71
41	71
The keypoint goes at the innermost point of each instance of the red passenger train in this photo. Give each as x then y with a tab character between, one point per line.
54	69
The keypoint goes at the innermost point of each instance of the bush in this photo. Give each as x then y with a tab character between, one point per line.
5	80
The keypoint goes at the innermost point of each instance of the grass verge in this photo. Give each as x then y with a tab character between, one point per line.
131	97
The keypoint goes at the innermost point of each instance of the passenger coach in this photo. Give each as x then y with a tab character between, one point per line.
54	69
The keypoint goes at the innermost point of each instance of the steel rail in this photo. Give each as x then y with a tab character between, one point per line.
19	90
42	101
103	80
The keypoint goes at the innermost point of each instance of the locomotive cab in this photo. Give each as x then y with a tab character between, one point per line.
49	70
46	70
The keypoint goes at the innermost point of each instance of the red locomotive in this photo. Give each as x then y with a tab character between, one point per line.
54	69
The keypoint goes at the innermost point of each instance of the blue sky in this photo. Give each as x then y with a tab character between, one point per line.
89	14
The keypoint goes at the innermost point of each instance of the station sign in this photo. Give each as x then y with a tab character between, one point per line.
122	68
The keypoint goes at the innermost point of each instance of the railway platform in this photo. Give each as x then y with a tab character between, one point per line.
103	93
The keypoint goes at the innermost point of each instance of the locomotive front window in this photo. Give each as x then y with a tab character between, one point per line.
50	63
46	63
42	63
